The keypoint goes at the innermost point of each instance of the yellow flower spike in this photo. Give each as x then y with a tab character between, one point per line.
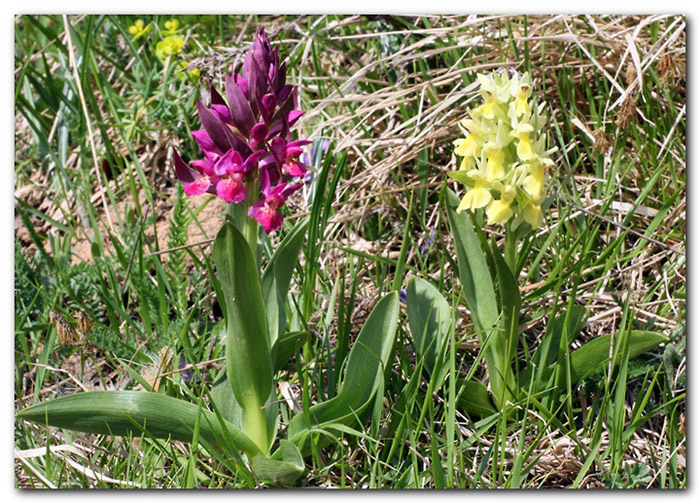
503	152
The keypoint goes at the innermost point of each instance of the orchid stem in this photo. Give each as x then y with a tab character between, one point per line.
238	214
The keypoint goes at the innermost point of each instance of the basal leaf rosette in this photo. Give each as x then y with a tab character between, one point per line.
504	152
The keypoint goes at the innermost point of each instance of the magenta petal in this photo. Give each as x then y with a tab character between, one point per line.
269	217
231	190
231	162
252	160
289	190
294	115
269	102
278	146
295	168
199	186
204	167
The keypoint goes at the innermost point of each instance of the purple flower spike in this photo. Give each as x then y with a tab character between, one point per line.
246	138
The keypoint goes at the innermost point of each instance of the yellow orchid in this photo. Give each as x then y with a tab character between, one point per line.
504	152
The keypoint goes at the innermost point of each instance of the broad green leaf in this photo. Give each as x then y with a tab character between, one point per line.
473	271
430	319
479	293
595	354
248	363
474	398
283	468
277	277
368	359
119	413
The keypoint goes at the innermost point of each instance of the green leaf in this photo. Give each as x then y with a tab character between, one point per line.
595	354
124	412
430	319
547	352
285	346
366	363
475	398
283	468
479	293
473	270
248	363
277	277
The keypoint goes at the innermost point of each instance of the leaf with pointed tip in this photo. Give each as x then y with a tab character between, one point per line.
364	375
595	354
124	412
477	286
214	127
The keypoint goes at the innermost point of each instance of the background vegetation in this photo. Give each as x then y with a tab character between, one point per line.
102	228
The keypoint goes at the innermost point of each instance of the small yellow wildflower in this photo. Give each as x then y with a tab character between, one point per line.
169	46
171	27
138	29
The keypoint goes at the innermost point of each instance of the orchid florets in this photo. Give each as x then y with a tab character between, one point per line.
249	155
504	155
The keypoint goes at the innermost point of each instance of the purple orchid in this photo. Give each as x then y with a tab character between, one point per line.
246	138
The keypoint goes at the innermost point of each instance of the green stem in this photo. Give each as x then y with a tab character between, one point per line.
238	214
510	250
256	425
